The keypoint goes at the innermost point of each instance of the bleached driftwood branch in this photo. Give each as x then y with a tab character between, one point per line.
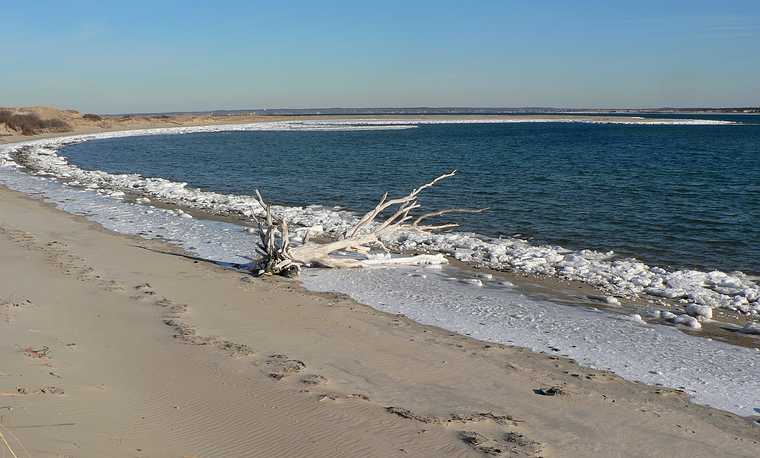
280	258
416	222
276	256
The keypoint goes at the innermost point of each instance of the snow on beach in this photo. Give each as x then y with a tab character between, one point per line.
713	373
620	277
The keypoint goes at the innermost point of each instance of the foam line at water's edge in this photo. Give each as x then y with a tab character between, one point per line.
623	277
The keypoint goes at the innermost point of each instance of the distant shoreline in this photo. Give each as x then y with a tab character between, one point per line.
459	111
80	123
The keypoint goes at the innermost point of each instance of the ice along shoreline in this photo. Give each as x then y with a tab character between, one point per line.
603	270
713	373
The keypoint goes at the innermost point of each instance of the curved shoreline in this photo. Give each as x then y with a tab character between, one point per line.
458	383
627	278
185	130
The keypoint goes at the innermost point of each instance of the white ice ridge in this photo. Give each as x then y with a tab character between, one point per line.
623	277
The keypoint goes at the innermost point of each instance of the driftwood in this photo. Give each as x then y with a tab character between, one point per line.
279	257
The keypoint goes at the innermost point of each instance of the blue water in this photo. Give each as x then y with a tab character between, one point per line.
679	196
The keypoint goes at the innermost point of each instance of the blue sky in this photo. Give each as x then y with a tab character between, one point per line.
158	55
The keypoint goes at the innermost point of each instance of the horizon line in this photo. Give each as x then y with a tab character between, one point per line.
432	109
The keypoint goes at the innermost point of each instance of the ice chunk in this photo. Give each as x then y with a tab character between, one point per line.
751	328
656	314
697	311
689	321
670	293
611	300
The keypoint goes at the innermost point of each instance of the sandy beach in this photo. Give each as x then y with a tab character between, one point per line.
120	346
361	229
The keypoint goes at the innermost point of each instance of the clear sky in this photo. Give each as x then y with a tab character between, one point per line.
145	56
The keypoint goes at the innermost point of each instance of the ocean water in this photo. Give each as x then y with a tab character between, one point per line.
678	196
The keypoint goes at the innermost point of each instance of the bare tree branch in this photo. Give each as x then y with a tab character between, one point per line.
416	222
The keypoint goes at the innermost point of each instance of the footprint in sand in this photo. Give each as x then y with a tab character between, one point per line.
144	292
279	366
509	444
313	379
234	350
42	352
342	397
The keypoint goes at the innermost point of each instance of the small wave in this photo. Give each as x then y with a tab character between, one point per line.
625	277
